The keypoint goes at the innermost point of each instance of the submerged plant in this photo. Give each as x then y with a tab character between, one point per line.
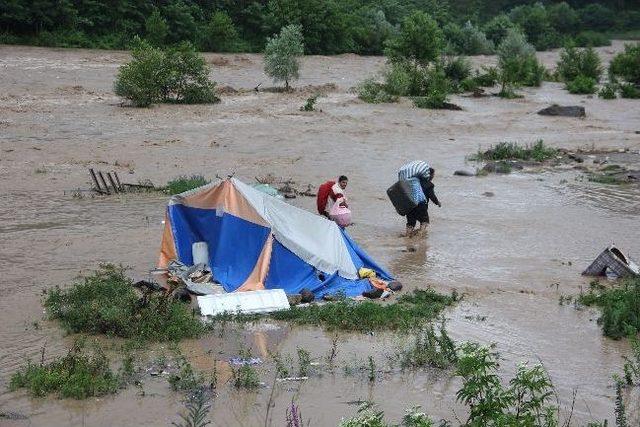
197	408
304	362
78	375
310	104
430	350
185	183
538	152
367	416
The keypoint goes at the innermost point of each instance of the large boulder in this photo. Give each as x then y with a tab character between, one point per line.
566	111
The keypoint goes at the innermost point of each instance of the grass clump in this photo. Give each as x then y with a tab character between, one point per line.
185	183
430	350
619	305
78	375
185	378
409	312
606	178
373	92
629	91
538	152
632	364
105	302
310	104
574	63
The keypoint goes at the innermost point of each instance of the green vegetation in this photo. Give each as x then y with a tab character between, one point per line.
629	90
625	65
105	302
592	39
538	152
281	55
582	85
430	350
574	63
632	364
409	312
619	305
185	379
78	375
525	401
518	64
185	183
610	178
177	74
608	91
328	27
310	104
197	408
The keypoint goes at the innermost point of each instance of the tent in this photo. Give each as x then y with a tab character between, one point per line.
257	242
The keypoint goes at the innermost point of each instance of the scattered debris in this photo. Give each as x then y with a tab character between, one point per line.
565	111
285	187
10	415
112	184
612	260
245	361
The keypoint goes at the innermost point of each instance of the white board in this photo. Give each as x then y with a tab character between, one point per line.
249	302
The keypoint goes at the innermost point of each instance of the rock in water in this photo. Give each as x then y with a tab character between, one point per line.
566	111
462	172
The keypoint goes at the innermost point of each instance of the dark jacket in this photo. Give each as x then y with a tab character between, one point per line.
427	188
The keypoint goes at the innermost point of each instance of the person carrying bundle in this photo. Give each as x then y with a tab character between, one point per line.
415	186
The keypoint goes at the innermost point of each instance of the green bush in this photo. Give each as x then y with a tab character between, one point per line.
420	41
281	55
457	69
629	90
468	39
373	92
626	65
579	62
77	375
435	91
582	85
177	74
619	304
563	18
488	78
518	64
429	350
398	79
105	302
591	39
608	91
539	152
534	22
185	183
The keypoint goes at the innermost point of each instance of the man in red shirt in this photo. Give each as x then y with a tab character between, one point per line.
331	192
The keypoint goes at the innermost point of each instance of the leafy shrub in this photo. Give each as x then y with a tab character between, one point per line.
185	183
579	62
526	400
281	55
488	78
435	91
591	39
77	375
366	416
430	350
534	22
468	40
517	63
398	79
457	69
373	92
629	90
105	303
185	378
626	65
607	91
177	74
497	28
419	41
582	85
309	105
620	307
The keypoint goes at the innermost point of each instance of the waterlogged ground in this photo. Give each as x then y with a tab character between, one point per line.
512	253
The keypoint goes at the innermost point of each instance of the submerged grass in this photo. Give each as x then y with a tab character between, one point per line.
430	349
619	304
538	152
185	183
106	303
410	311
78	375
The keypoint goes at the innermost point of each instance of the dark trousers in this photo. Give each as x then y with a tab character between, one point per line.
419	213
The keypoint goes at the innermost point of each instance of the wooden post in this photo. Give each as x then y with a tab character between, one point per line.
96	184
115	175
106	187
113	183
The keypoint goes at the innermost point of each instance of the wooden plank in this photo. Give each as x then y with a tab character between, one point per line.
106	187
113	183
96	184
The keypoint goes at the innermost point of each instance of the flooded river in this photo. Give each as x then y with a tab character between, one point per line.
511	244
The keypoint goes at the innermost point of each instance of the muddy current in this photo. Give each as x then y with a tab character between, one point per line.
510	244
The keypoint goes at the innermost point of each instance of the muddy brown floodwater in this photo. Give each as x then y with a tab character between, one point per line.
512	254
